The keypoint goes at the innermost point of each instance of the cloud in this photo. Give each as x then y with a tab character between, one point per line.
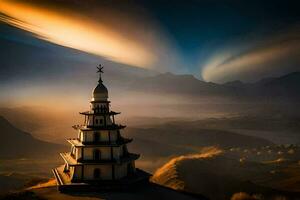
115	35
254	59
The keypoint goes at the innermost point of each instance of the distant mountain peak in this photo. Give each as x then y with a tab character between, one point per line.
179	79
292	75
296	73
289	80
236	83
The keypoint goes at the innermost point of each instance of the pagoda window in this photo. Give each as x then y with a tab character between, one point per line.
97	154
96	121
96	136
104	109
97	109
101	121
97	173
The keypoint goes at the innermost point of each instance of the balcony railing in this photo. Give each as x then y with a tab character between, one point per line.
124	158
116	142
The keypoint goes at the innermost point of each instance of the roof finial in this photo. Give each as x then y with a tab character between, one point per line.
100	71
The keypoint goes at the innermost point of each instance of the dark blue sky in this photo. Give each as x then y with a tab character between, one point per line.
205	25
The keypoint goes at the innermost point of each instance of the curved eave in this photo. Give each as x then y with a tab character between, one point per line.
91	128
92	113
111	127
97	101
75	142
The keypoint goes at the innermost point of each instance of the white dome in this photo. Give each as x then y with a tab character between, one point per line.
100	93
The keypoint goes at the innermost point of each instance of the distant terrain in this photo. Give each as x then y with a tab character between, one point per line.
219	174
160	143
18	144
250	136
24	160
283	89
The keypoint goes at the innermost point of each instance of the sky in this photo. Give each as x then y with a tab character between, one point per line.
215	40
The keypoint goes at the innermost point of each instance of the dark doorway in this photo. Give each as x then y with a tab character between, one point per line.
97	154
96	173
96	136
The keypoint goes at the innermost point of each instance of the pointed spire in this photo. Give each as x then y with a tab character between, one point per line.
100	71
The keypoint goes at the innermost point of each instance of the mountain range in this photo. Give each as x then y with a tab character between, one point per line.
282	88
16	143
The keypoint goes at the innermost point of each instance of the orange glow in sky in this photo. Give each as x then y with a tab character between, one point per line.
76	31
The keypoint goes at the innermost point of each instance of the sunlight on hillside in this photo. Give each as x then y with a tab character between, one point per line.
50	183
169	169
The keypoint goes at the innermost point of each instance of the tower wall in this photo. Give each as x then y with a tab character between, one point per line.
88	135
77	172
88	153
105	172
105	153
94	105
120	171
118	152
98	121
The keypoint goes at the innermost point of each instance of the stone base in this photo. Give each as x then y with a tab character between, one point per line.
65	185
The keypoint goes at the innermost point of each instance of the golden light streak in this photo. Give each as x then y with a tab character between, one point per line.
76	31
260	62
243	64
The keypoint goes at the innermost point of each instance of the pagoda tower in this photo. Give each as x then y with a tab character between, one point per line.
99	158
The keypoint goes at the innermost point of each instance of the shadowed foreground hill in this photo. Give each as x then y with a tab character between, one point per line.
149	191
15	143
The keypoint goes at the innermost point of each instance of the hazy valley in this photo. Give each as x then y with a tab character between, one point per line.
249	136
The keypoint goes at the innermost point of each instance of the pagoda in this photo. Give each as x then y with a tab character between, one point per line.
99	158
